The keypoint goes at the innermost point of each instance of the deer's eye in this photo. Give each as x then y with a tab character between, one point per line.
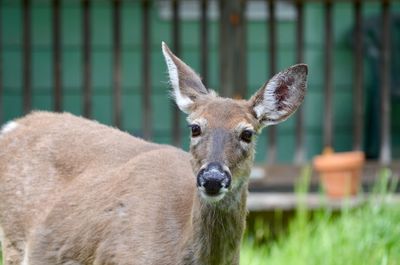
246	136
196	130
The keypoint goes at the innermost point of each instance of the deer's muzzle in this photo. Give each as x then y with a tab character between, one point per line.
213	180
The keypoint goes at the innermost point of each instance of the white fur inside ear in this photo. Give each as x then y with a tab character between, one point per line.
276	107
183	102
268	104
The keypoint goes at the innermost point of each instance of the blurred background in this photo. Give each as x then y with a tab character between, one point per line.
102	59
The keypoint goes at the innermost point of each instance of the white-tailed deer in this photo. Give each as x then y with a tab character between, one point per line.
75	192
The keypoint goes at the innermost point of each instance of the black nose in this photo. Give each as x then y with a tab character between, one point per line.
213	178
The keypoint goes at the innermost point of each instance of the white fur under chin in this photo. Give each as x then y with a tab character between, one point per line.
8	127
212	199
182	101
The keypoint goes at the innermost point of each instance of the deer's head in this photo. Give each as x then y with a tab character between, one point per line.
224	130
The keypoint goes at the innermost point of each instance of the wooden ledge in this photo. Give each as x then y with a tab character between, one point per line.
289	201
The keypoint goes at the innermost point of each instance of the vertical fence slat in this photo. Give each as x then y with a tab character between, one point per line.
57	55
1	66
328	111
358	114
176	132
271	158
204	41
239	52
300	153
117	62
86	37
385	150
146	85
232	48
225	66
26	59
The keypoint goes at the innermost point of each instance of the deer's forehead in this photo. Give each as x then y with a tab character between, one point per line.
224	113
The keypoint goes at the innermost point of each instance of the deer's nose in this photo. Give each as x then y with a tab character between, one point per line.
213	179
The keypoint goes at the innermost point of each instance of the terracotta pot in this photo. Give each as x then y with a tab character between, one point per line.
340	172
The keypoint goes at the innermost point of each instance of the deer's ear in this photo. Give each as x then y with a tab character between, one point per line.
281	96
186	84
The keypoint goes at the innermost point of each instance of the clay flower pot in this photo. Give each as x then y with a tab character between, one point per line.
340	172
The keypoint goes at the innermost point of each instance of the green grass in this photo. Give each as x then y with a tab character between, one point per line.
367	235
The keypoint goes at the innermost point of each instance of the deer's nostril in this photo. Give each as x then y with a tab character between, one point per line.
212	186
213	178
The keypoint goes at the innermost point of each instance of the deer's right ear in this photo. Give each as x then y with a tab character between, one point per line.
186	84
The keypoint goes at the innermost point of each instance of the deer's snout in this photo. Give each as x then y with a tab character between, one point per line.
213	180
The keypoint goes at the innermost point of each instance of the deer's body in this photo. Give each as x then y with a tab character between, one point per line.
48	195
98	192
75	192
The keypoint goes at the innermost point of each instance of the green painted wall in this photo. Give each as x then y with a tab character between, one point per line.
258	72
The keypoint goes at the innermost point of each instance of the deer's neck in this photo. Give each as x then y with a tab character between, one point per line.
216	230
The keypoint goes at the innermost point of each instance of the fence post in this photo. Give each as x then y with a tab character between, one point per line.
176	128
358	109
1	67
328	111
300	152
204	42
146	78
57	56
271	157
117	62
385	151
86	37
232	48
26	57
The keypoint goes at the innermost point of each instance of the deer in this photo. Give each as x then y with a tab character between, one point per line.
76	192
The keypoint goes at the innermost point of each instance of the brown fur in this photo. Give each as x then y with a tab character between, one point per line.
85	193
76	192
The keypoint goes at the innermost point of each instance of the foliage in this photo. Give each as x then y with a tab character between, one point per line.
369	234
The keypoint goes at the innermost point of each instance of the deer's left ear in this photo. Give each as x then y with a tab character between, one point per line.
281	96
